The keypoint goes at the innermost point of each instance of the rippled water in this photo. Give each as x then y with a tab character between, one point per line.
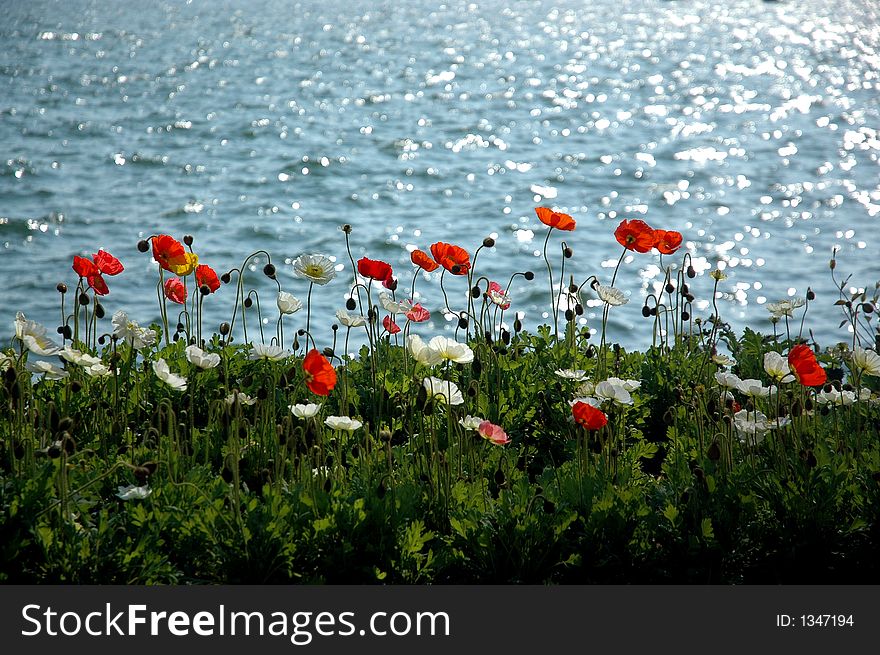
751	127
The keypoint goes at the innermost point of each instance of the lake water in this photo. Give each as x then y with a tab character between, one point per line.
751	127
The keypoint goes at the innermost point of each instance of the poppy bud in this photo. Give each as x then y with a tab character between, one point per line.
867	307
180	327
646	311
591	352
225	278
334	327
371	315
811	295
204	289
832	264
455	270
689	297
528	275
477	367
11	375
669	287
685	316
83	299
808	404
517	325
691	273
653	311
328	352
61	287
475	292
350	304
224	329
825	410
385	434
489	242
567	252
463	323
99	309
714	452
175	337
505	337
472	390
248	302
101	340
67	332
569	315
143	246
76	386
346	228
269	270
684	289
301	332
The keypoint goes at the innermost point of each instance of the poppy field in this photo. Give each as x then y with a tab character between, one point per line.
259	451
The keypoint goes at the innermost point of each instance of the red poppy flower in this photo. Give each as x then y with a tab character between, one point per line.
389	324
320	374
89	270
168	251
453	258
555	219
107	263
421	259
588	416
635	235
418	314
207	277
806	368
175	290
667	241
84	267
374	268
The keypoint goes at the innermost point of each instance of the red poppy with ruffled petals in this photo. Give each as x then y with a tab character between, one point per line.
667	241
588	416
207	277
555	219
389	324
98	285
421	259
168	251
453	258
107	263
175	290
803	361
320	374
374	269
635	235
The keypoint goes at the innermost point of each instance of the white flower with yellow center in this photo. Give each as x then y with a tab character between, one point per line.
778	368
47	370
443	390
866	362
315	268
33	336
421	351
342	423
132	333
77	357
611	295
452	350
198	357
176	382
269	353
305	410
784	307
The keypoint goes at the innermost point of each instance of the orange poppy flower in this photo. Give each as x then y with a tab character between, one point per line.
207	277
89	270
374	268
802	359
667	241
635	235
175	290
320	374
588	416
555	219
421	259
187	265
169	252
453	258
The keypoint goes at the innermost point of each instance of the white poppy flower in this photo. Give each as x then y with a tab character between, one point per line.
342	423
273	353
753	388
76	357
315	268
778	368
571	374
47	370
443	390
629	385
751	426
33	336
607	390
176	382
132	492
865	361
132	333
588	400
723	360
242	398
98	370
452	350
421	351
198	357
835	397
390	305
611	295
350	319
784	307
288	303
307	410
728	380
470	422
